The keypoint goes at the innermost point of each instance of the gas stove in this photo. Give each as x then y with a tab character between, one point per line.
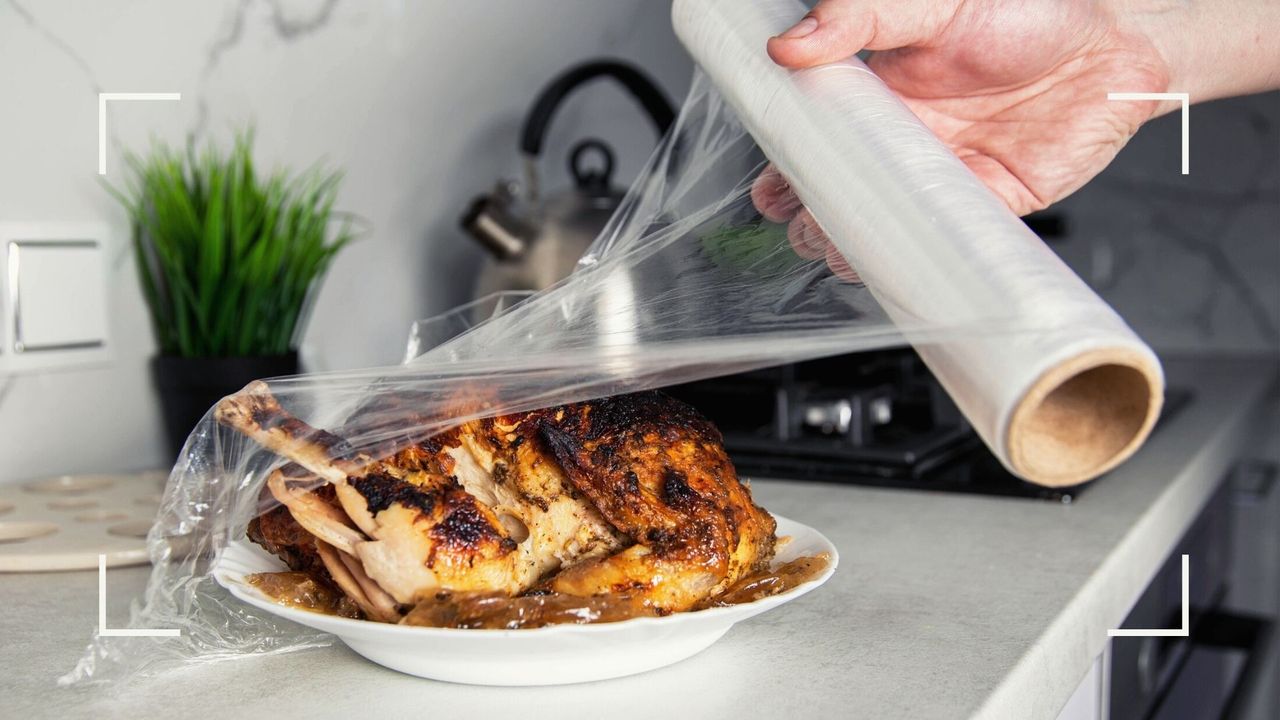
877	418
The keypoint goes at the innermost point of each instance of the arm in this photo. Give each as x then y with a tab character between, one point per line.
1215	48
1018	91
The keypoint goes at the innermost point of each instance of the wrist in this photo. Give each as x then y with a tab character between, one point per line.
1211	48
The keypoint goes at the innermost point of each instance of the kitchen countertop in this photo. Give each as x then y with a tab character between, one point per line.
944	606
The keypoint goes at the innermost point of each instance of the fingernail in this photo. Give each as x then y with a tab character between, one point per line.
806	26
840	267
805	237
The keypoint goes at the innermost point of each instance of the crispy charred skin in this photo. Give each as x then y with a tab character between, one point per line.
458	523
656	470
431	532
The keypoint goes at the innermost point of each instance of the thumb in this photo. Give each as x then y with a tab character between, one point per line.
837	29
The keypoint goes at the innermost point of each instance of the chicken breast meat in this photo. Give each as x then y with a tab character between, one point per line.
630	495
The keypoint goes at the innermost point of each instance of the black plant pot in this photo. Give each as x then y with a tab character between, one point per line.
190	386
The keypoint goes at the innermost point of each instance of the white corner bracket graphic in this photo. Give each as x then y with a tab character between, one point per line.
103	99
1183	631
1185	99
105	631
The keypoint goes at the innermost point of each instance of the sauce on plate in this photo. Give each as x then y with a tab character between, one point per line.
496	611
300	590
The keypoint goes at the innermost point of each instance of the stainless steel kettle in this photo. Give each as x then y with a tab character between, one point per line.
533	242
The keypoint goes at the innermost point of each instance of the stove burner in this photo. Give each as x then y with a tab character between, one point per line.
866	419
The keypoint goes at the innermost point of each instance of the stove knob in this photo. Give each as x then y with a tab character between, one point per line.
880	411
829	418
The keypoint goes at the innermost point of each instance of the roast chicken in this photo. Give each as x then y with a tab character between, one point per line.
631	495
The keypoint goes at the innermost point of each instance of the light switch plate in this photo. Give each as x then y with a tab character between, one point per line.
54	301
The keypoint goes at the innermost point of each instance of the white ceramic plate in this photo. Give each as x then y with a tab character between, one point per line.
553	655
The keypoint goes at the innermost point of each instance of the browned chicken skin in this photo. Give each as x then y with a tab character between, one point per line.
631	495
657	471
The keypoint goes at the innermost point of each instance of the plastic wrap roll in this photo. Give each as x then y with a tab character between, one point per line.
1058	385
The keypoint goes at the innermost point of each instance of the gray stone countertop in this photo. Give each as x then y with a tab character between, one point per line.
944	606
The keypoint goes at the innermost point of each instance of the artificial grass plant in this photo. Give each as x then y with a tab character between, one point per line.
228	260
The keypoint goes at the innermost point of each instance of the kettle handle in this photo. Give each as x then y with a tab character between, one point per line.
641	87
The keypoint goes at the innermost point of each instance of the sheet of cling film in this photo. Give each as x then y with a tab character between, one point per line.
687	281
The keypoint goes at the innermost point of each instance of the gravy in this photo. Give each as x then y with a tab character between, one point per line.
497	611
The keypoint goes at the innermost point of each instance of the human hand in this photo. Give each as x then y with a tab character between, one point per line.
1018	91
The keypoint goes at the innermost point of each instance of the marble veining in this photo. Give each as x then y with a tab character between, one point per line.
1190	261
54	39
285	22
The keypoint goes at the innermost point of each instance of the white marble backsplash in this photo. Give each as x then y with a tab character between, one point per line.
1192	262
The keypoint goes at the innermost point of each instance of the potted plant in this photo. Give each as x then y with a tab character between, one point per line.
228	264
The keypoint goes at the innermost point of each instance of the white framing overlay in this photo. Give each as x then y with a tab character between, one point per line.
1183	631
105	631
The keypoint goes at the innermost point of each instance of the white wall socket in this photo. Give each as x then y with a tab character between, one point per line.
53	295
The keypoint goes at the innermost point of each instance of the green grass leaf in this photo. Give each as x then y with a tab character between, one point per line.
228	260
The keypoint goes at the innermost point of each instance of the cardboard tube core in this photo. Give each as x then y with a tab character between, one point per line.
1084	417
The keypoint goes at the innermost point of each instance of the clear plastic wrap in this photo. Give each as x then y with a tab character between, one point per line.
686	282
